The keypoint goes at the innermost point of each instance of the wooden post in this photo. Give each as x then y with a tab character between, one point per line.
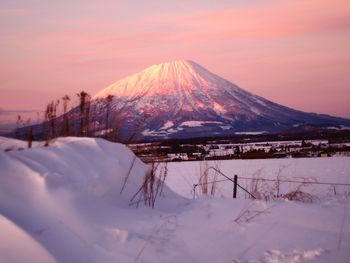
235	186
30	137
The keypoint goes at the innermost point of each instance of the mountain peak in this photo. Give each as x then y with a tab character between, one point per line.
175	68
177	62
181	99
165	78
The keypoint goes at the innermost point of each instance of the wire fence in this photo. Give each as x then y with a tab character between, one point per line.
275	180
234	180
294	181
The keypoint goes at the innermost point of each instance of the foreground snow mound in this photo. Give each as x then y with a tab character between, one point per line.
84	166
16	238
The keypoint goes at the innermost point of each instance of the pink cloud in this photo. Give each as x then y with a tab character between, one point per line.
288	18
273	50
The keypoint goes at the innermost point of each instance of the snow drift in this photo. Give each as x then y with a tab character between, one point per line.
50	195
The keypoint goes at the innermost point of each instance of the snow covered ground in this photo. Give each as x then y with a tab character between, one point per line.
65	203
183	175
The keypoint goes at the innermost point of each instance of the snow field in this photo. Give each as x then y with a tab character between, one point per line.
183	175
62	203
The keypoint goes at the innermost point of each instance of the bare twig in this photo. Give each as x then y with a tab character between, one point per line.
128	174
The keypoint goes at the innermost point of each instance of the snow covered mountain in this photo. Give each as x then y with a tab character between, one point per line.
181	99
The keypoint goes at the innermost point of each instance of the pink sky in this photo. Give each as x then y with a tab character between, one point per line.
296	53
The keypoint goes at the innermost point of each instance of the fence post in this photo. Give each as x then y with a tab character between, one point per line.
235	186
30	137
194	190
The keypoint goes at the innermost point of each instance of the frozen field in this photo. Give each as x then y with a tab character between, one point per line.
69	202
306	174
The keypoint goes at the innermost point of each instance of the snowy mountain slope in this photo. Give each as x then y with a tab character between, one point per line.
180	91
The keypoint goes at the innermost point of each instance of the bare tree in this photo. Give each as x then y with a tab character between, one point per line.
19	122
65	127
84	106
109	100
50	118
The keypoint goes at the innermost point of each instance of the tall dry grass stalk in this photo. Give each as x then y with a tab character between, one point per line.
247	214
260	188
152	186
207	181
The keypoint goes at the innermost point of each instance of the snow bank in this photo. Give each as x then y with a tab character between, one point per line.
9	144
19	246
57	194
82	165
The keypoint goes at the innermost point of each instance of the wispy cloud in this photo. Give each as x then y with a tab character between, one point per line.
279	43
287	18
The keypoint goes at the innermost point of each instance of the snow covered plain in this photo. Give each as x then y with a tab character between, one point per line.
63	203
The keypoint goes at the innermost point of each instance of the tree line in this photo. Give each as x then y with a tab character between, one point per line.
89	118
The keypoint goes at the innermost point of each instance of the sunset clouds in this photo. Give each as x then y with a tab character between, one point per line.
292	52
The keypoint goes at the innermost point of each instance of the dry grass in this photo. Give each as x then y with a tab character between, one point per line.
262	189
246	215
300	196
152	185
203	177
128	174
278	178
207	181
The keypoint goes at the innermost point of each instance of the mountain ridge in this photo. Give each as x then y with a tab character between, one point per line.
180	100
183	99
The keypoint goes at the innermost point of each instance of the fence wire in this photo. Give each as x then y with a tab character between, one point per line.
227	178
294	181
